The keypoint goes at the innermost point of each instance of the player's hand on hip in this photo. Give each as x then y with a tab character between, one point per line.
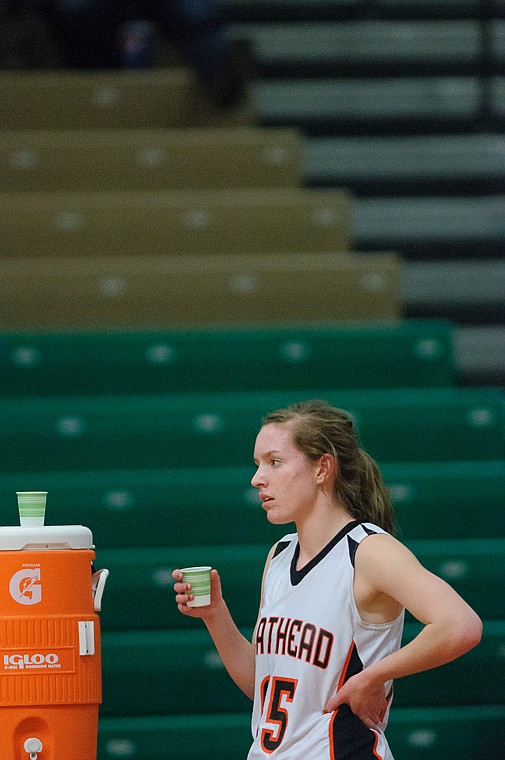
183	595
366	699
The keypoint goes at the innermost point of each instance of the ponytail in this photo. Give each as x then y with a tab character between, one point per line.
374	496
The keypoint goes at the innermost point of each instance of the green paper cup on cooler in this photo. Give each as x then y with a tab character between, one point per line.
32	508
199	577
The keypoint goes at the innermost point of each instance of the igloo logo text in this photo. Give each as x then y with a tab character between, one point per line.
25	587
27	661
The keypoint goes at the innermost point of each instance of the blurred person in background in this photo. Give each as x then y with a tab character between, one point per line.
3	34
103	34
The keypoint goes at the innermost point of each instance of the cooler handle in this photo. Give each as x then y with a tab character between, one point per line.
97	586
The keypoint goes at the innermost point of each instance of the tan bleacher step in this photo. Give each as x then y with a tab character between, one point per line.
175	223
110	100
148	159
197	290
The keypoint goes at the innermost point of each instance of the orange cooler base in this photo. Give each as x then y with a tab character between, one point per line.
66	732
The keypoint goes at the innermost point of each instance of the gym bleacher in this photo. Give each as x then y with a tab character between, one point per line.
170	272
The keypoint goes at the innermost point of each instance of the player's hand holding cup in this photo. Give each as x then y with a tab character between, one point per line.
197	591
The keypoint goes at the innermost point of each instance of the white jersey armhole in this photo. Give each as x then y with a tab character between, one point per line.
355	611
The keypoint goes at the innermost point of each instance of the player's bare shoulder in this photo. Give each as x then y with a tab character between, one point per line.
379	558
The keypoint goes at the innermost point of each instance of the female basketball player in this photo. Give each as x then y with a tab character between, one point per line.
327	643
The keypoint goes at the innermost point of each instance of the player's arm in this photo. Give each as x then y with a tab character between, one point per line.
451	627
236	652
387	573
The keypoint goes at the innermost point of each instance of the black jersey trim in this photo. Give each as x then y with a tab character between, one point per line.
353	545
353	548
298	575
349	737
280	547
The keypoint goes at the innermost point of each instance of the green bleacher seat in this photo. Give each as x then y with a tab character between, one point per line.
497	32
364	45
180	430
400	221
237	10
469	291
410	162
152	508
177	665
193	737
474	567
437	499
447	733
498	97
443	733
421	7
363	356
477	678
140	585
302	102
180	673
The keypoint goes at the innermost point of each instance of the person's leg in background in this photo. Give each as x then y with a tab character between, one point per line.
3	34
85	31
109	34
222	65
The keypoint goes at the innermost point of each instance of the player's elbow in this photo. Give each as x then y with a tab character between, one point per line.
467	631
474	631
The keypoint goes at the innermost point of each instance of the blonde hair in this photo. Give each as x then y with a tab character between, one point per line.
319	428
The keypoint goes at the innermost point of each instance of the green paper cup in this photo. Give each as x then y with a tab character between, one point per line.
32	508
199	577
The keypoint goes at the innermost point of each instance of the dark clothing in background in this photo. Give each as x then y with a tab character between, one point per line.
102	34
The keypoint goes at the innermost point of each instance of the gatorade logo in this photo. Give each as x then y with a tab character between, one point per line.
25	586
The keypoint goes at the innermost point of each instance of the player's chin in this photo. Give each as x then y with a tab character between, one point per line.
276	518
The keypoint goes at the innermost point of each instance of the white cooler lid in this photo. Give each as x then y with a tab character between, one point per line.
14	537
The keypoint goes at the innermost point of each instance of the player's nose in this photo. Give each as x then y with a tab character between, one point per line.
258	479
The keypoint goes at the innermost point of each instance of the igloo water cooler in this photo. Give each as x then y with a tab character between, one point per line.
50	657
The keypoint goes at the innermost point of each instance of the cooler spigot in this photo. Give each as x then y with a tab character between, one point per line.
33	746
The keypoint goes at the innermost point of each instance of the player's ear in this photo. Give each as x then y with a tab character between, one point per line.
327	468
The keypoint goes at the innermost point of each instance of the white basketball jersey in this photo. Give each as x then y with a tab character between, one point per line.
309	640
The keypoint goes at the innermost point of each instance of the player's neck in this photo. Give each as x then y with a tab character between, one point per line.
317	529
